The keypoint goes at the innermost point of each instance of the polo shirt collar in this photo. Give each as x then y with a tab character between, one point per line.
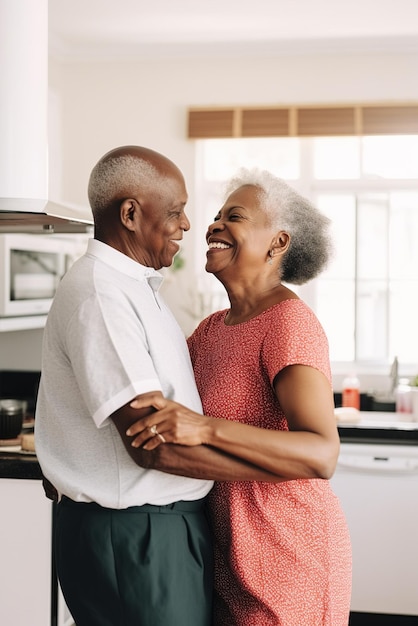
123	263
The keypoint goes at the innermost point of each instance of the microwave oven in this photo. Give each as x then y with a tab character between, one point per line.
31	268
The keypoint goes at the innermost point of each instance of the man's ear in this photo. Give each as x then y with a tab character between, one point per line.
280	243
129	213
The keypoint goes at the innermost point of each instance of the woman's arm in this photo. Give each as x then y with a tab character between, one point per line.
308	450
199	461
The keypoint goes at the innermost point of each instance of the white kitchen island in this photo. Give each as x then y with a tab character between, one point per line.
25	563
29	591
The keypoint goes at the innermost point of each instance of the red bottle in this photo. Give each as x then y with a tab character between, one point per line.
351	392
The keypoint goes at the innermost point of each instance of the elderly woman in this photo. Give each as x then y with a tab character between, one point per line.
282	549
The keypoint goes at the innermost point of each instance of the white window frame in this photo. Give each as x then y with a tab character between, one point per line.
310	187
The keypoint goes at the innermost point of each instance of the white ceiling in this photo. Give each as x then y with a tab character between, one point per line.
114	29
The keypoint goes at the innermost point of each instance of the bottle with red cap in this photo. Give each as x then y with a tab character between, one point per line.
351	392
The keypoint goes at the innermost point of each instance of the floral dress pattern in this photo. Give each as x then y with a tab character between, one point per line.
282	551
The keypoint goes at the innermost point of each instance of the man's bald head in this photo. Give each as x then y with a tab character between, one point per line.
121	172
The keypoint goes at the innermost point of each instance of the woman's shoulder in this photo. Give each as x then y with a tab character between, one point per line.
289	307
293	315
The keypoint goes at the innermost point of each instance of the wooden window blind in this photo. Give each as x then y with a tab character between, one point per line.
390	120
264	122
303	121
325	121
211	123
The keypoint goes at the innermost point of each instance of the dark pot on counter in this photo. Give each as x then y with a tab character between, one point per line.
12	413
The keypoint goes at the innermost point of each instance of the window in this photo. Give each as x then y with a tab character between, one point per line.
367	299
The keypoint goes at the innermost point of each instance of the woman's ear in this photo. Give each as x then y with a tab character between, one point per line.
129	213
280	243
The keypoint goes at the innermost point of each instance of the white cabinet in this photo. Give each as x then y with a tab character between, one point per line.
30	322
25	553
378	486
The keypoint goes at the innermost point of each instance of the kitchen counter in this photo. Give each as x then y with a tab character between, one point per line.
26	524
380	427
26	557
14	465
376	480
18	463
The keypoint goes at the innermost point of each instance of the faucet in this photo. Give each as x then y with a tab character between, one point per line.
394	375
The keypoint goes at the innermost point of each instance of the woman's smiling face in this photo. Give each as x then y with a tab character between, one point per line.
241	234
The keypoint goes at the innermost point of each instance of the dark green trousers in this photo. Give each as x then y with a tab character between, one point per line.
142	566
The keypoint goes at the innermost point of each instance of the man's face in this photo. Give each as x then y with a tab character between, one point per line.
163	221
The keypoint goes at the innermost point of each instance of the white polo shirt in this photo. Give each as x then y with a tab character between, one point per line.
109	337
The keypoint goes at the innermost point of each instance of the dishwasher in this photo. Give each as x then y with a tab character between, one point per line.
376	480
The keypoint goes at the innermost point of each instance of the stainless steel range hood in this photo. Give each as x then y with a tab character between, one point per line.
54	218
24	204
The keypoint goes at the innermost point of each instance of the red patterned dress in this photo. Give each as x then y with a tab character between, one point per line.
282	551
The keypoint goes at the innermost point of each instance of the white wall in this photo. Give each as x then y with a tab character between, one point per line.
109	104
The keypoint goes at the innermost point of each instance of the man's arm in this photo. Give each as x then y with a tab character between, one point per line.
200	461
206	463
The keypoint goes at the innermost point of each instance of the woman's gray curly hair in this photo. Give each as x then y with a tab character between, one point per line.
310	243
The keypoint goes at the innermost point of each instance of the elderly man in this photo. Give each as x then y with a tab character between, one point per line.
132	543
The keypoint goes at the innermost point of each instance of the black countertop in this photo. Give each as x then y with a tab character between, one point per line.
388	436
22	385
14	465
380	428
